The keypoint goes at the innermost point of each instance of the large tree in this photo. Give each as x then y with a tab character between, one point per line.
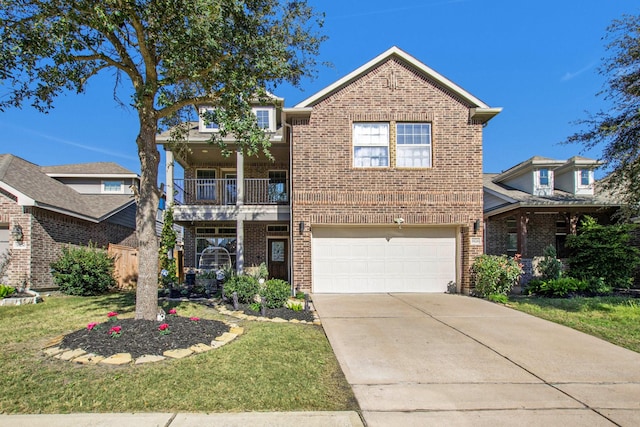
172	55
618	128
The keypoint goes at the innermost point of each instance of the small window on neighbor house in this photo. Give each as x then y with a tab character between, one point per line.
543	177
413	143
370	145
585	178
112	187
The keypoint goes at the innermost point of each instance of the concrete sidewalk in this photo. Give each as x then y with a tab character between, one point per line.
257	419
437	359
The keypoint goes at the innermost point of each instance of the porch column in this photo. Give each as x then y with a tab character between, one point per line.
240	217
239	178
523	219
169	176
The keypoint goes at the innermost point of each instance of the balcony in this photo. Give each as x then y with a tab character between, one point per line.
221	192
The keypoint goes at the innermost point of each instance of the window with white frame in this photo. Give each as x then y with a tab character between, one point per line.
266	118
113	187
413	144
206	122
585	178
543	177
370	145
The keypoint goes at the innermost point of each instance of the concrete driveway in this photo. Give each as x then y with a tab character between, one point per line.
452	360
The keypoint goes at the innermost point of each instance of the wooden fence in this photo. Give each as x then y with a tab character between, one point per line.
126	265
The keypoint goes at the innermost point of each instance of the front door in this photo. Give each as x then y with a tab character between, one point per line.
278	259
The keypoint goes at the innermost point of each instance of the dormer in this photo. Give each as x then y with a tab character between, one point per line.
534	176
576	176
267	116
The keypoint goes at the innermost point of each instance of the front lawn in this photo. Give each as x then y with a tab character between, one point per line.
272	367
614	319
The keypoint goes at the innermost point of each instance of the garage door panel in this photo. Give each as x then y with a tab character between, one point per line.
353	259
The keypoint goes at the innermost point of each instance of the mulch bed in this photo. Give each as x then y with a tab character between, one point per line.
272	313
142	337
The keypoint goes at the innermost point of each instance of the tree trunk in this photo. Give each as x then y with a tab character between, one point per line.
147	208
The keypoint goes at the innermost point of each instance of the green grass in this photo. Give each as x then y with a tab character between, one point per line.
614	319
272	367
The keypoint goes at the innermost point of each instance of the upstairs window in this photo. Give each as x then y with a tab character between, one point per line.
413	145
585	178
543	178
370	145
206	125
113	187
266	118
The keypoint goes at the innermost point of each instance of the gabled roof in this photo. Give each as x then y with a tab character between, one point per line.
514	198
33	187
479	110
527	166
102	169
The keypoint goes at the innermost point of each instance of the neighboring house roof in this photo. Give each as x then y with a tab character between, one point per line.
33	187
479	110
514	199
102	169
528	165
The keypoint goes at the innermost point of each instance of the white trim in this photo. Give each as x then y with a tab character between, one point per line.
393	51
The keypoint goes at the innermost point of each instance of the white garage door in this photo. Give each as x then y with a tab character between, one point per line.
370	259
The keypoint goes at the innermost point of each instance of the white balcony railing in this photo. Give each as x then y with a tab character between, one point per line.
257	191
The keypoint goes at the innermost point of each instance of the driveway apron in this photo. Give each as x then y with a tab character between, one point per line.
439	359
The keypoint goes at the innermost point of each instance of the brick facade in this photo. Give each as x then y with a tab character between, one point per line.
45	233
328	190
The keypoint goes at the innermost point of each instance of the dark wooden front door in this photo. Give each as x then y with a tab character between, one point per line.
278	259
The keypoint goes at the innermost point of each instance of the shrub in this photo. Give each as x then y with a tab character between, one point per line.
276	292
246	287
499	298
557	287
84	271
550	266
603	251
495	274
6	291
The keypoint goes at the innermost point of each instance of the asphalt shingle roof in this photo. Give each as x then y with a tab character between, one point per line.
48	193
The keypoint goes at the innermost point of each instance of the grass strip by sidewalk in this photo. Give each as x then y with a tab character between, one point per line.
614	319
272	367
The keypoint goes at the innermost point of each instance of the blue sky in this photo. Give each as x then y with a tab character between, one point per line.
538	60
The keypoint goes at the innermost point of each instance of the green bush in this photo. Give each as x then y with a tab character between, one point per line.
84	271
558	288
499	298
495	274
550	266
6	291
276	292
600	251
246	287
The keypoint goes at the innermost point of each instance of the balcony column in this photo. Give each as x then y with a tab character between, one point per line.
169	161
240	218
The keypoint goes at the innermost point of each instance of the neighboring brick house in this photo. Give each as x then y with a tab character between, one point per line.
538	203
44	208
376	185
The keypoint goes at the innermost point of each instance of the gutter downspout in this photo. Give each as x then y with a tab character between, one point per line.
290	137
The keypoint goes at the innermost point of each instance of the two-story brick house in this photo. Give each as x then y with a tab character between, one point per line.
376	185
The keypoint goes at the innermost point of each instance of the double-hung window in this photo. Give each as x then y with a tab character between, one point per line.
370	145
113	187
543	177
413	145
585	178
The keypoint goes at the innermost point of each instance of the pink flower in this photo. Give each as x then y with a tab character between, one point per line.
195	319
164	329
173	311
115	331
92	325
112	314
